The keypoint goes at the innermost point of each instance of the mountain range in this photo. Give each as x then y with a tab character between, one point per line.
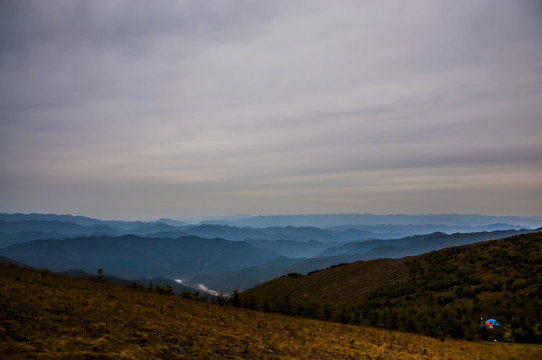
131	256
219	257
329	220
16	228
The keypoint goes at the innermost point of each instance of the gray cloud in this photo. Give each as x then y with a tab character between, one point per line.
188	108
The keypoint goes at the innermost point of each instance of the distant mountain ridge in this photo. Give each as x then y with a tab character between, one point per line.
329	220
80	220
17	228
260	255
309	220
222	257
130	256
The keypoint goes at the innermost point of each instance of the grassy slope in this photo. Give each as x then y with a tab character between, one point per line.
49	316
349	283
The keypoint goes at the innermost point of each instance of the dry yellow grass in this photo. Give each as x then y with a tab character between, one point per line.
43	316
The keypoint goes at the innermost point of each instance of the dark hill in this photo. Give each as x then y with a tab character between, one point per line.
222	231
289	248
441	293
131	256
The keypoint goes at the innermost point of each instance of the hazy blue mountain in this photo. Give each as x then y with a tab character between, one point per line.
400	231
134	257
335	234
149	228
34	230
214	220
306	233
7	239
223	231
414	245
55	226
290	248
328	220
20	228
217	222
171	222
126	226
86	221
303	234
169	234
80	220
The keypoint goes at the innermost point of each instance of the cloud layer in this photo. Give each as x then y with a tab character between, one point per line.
126	109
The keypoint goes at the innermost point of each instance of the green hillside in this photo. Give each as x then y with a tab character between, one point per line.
49	316
443	293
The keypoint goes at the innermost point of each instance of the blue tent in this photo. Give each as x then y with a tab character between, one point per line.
489	324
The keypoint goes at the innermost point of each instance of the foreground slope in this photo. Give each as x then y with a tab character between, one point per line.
48	316
441	293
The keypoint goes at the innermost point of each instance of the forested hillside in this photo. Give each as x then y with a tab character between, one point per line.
442	293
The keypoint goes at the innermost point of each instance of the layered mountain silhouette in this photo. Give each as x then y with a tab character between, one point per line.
130	256
222	257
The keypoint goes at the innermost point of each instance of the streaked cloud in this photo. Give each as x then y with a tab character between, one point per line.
126	109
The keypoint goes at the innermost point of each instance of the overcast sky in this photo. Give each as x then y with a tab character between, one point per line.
145	109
